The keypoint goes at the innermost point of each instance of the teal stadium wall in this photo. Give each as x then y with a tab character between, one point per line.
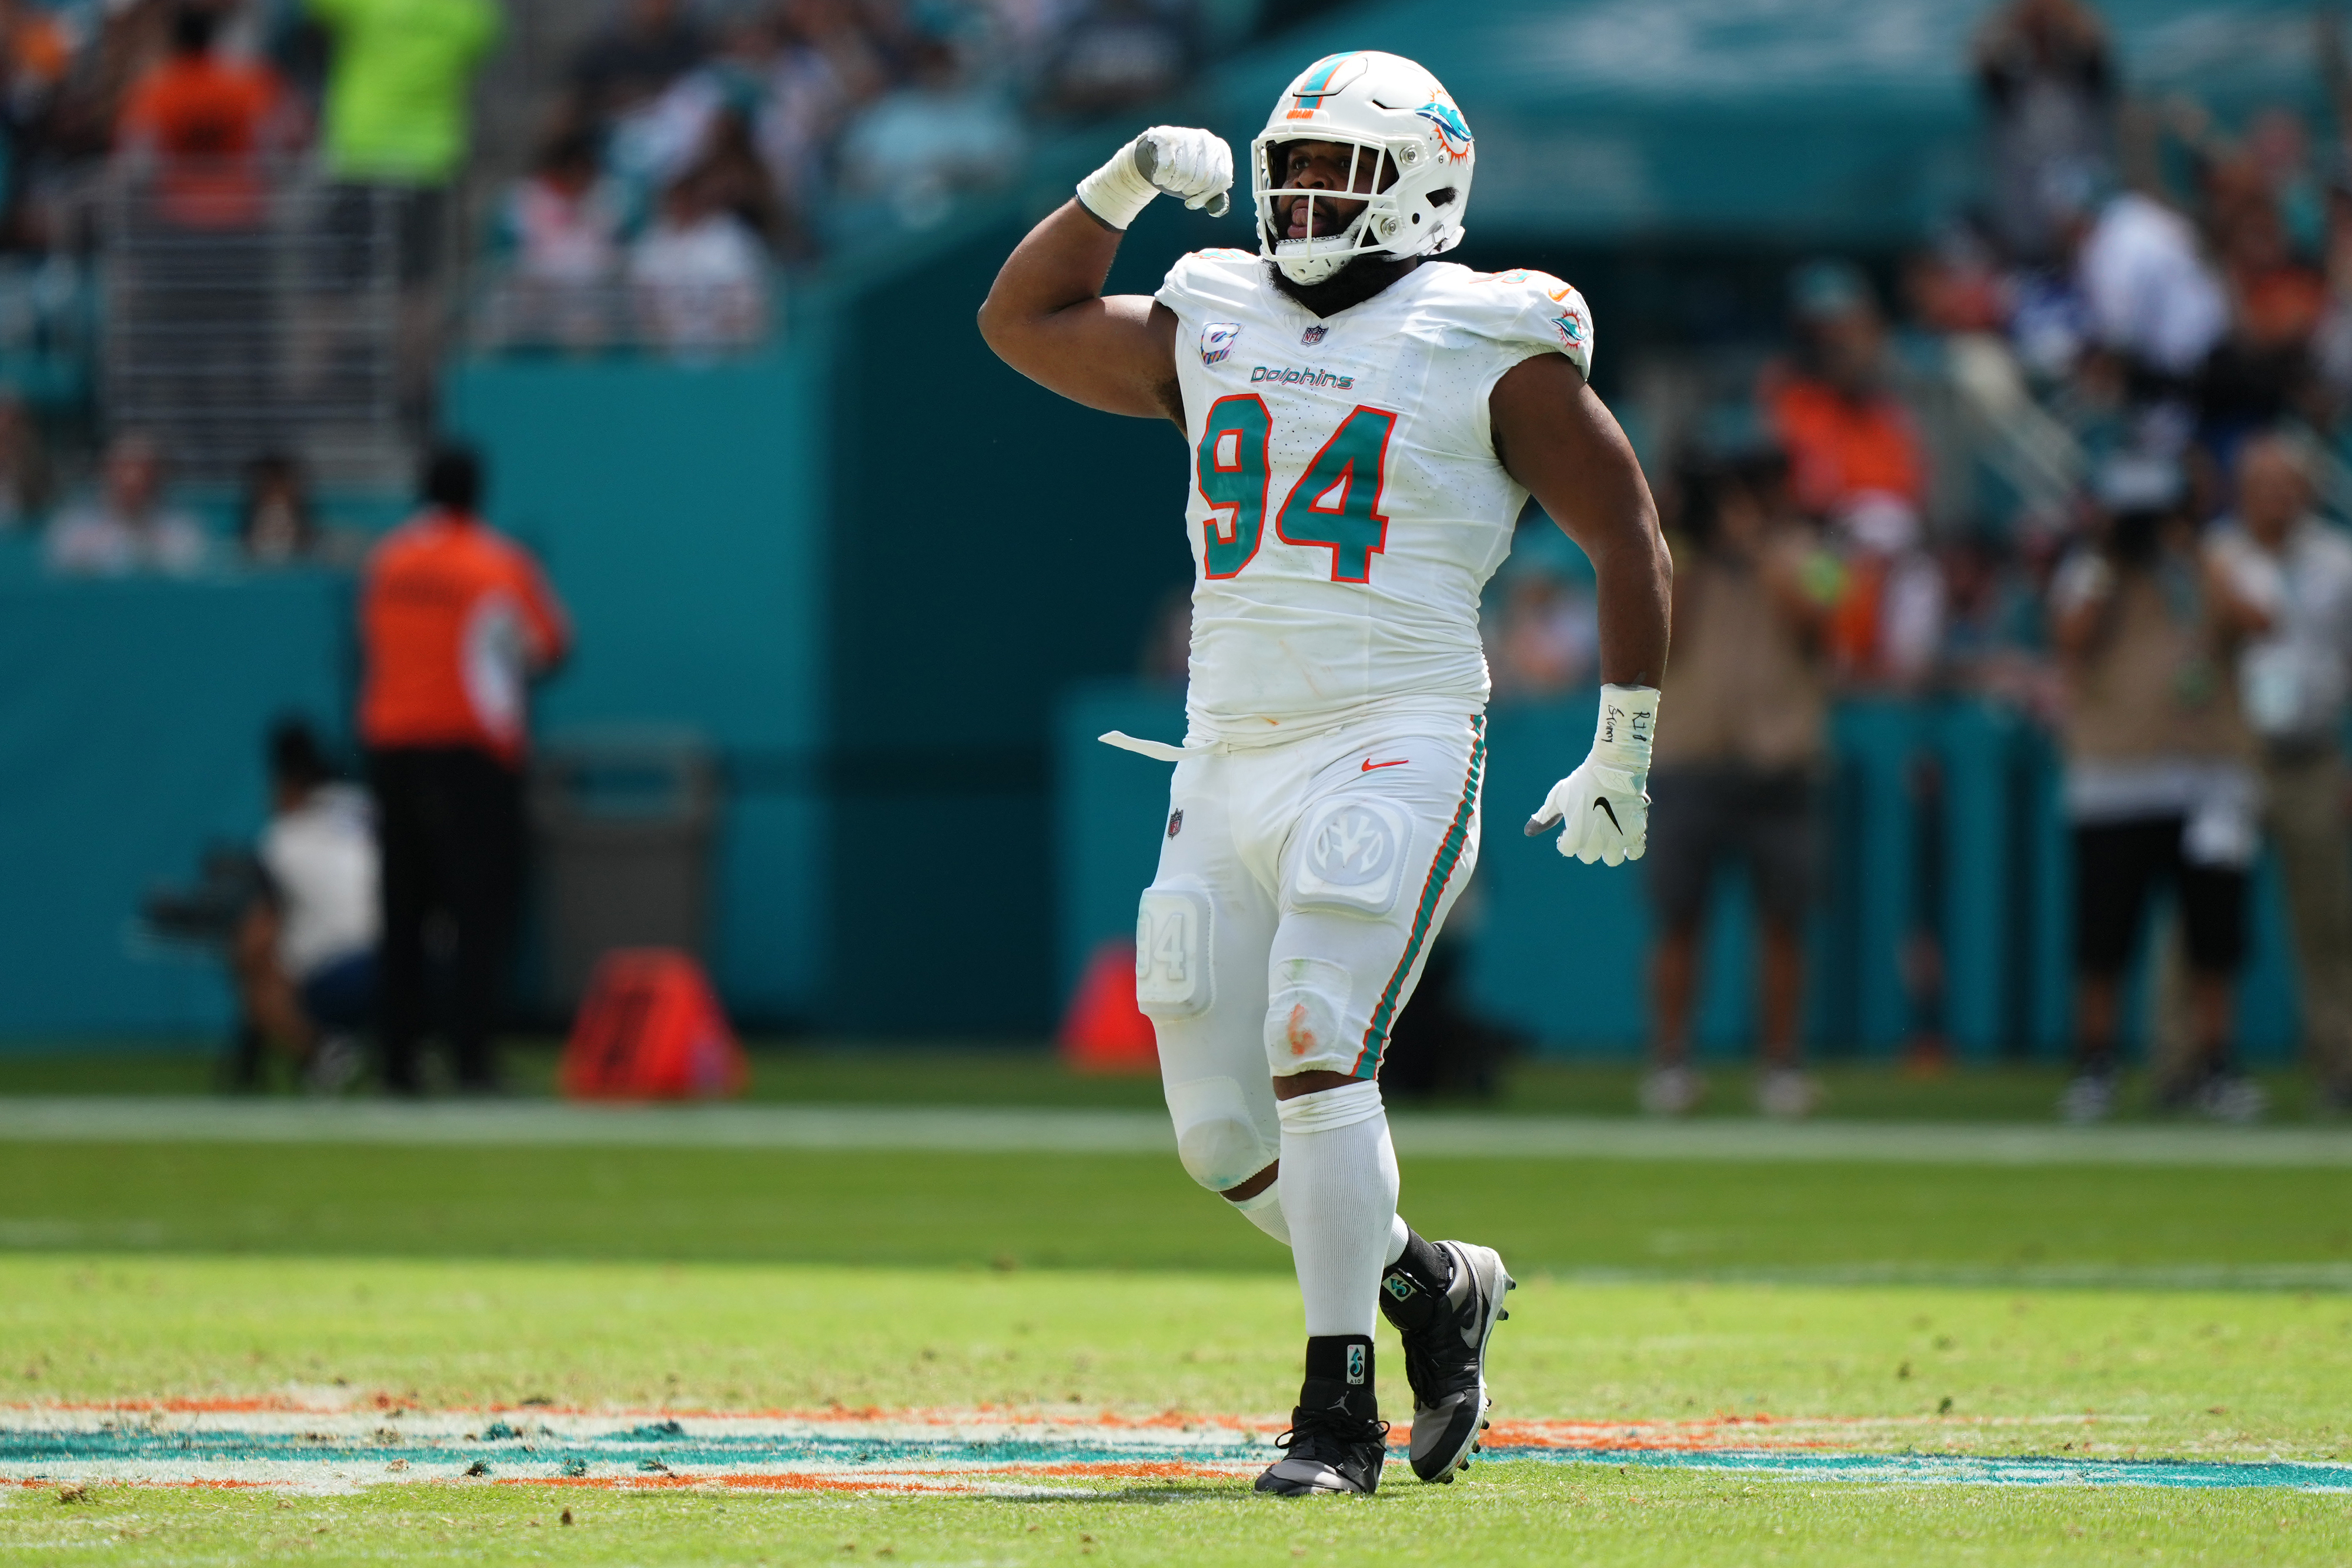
131	717
681	512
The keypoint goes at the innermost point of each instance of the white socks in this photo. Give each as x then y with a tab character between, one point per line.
1338	1188
1264	1211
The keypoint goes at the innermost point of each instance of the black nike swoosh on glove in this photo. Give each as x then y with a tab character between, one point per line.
1612	814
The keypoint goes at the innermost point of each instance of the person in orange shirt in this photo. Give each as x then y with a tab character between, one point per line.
209	122
454	621
1846	433
1856	463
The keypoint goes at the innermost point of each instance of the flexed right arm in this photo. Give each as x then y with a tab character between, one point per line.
1046	316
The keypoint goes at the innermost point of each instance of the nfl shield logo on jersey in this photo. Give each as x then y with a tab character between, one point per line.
1217	341
1313	335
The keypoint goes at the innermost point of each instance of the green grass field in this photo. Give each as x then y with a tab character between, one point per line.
2098	1312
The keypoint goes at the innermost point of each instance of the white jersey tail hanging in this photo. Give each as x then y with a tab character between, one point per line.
1410	152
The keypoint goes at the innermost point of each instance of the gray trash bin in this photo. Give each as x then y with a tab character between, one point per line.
625	821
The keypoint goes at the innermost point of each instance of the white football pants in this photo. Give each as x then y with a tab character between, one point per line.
1299	888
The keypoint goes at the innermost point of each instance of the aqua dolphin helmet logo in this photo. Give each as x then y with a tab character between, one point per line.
1453	130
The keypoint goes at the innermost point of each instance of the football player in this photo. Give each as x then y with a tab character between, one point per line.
1363	425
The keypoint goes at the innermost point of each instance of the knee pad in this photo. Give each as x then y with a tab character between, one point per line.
1351	857
1216	1138
1306	1017
1174	953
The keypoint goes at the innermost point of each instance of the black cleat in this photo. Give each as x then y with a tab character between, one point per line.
1337	1443
1445	1358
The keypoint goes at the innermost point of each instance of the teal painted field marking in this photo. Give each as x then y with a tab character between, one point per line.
37	1454
1047	1130
1966	1470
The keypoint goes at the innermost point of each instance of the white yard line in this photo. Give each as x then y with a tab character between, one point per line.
1042	1131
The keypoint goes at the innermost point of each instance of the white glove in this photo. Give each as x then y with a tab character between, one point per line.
1192	165
1603	810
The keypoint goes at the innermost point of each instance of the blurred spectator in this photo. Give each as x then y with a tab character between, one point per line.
650	45
396	112
1954	309
131	39
209	123
274	525
455	622
2149	297
1736	778
278	525
938	136
658	139
26	482
735	178
2276	299
304	955
826	67
1886	627
1855	462
1847	436
2332	342
562	219
1114	53
36	52
2278	144
396	94
2044	70
2295	676
128	526
562	225
699	274
2158	786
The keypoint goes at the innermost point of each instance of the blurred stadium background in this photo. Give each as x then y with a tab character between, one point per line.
850	600
1983	314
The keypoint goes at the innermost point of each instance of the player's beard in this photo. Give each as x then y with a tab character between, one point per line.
1358	279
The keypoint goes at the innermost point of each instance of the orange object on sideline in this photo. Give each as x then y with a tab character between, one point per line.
650	1028
1103	1031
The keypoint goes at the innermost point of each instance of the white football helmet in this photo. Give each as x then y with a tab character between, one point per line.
1378	104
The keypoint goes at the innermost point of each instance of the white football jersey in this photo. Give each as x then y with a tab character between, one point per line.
1346	508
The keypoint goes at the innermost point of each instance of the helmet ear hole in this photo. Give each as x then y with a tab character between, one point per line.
1442	197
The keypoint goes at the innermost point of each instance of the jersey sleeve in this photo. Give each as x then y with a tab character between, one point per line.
1532	313
1205	283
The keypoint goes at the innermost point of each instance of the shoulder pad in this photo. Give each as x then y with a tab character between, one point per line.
1537	308
1221	279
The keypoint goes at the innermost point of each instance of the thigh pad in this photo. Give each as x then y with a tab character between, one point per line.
1352	851
1175	950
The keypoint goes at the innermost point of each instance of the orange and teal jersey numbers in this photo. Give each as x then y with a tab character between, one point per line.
1337	502
1234	472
